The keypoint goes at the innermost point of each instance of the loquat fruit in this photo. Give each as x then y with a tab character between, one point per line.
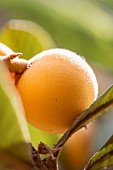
78	148
56	88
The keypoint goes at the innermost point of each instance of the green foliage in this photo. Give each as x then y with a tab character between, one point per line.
14	133
103	158
84	26
26	37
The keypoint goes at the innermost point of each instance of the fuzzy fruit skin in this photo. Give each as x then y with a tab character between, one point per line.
57	87
78	148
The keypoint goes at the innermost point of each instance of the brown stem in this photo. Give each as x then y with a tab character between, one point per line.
14	63
51	160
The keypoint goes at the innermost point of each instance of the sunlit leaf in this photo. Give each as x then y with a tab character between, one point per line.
103	158
26	37
14	134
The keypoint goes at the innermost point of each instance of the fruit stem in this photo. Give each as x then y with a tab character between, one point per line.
14	63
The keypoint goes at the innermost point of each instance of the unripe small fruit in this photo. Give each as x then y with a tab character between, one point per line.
56	88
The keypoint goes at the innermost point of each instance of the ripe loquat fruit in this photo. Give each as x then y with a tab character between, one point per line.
56	88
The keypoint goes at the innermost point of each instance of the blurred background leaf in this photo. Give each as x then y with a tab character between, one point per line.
83	26
14	135
26	37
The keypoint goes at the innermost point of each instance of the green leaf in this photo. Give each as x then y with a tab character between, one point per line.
103	104
14	134
26	37
103	158
38	136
